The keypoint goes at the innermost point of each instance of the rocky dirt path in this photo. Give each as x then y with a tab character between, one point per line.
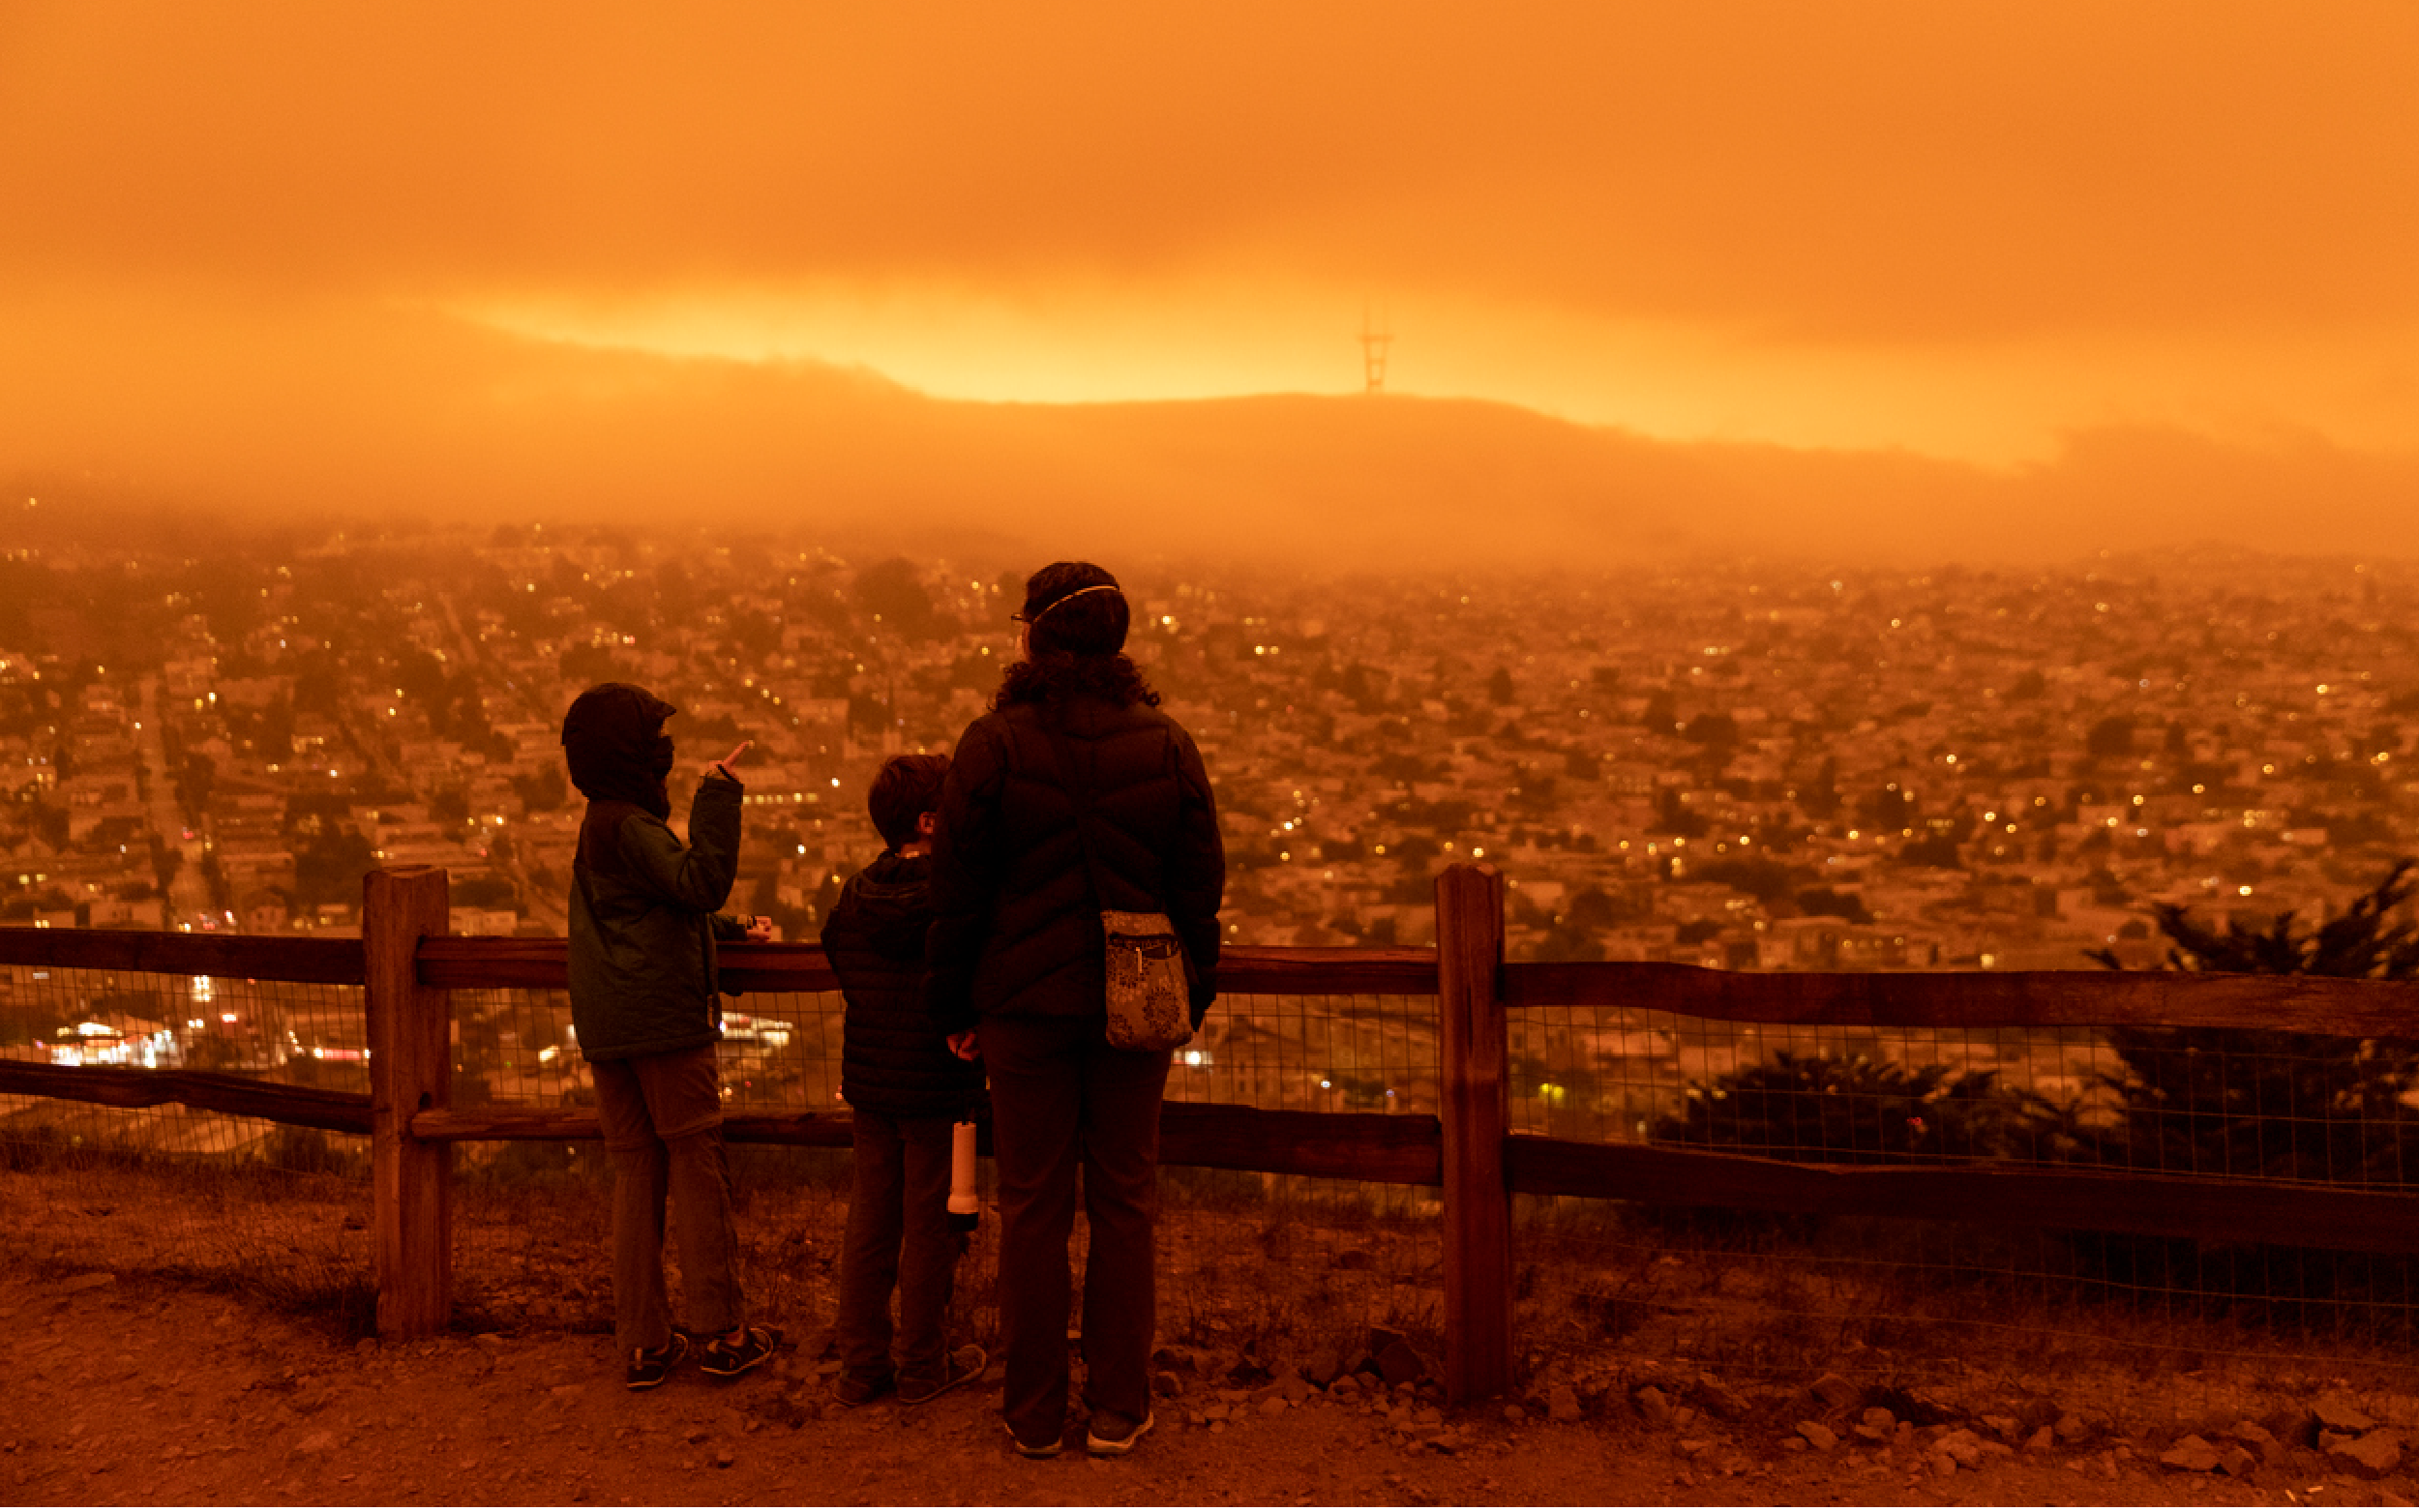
147	1392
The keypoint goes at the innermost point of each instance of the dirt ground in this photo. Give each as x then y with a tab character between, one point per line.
149	1392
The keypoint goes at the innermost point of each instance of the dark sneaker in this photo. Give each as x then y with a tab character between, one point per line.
1113	1432
956	1369
855	1390
726	1359
1033	1451
648	1368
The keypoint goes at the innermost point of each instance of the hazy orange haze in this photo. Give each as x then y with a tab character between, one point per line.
2131	264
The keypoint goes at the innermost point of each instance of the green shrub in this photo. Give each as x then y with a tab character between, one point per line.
1862	1111
2266	1103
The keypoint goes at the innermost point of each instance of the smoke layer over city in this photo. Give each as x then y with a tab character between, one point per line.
1911	283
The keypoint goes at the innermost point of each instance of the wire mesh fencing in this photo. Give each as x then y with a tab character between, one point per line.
238	1203
1304	1265
1273	1262
533	1217
1285	1263
1743	1290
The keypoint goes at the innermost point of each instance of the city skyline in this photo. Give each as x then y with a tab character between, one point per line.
245	729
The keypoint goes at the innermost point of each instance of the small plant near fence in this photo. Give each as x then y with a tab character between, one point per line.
2284	1106
2271	1104
1857	1111
2274	1105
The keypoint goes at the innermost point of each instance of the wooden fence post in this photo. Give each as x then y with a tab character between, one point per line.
411	1066
1478	1202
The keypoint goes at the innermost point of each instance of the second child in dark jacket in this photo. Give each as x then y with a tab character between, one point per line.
905	1091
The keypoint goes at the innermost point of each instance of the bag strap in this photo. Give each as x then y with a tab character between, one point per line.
1081	793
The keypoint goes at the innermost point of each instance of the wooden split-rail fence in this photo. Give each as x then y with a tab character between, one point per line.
408	964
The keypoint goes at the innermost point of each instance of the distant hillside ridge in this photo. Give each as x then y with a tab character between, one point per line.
457	420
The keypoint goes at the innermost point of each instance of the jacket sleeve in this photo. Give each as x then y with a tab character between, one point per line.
698	875
1197	874
965	876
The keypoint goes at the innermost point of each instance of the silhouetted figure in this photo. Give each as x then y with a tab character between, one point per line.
905	1094
645	1006
1074	738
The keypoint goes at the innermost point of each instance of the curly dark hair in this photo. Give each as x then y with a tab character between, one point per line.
1058	675
1076	618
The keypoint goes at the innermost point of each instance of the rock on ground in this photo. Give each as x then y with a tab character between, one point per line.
2369	1456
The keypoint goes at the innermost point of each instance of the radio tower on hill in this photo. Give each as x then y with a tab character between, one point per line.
1374	340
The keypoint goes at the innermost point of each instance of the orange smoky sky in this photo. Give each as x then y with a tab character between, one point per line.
1976	277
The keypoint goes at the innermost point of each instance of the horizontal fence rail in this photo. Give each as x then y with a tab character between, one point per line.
1976	999
244	1097
408	968
1216	1136
470	960
2075	1198
264	958
2310	1005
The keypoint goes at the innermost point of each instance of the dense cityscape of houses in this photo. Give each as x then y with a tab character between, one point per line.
1749	766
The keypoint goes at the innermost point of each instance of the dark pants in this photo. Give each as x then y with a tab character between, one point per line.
899	1237
662	1124
1061	1098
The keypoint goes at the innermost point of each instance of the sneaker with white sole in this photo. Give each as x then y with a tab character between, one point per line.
1032	1451
1113	1432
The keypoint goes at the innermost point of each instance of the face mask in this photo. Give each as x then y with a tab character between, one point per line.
659	756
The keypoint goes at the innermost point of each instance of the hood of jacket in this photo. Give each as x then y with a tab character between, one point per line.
614	744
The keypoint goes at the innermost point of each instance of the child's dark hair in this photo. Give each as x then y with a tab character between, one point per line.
907	788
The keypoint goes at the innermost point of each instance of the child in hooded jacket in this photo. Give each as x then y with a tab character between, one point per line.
905	1091
645	1006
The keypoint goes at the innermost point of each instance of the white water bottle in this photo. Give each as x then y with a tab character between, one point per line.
964	1214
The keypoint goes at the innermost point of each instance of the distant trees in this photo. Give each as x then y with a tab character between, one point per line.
894	590
484	890
329	866
193	781
167	860
1760	878
1832	902
2111	739
1887	808
1932	848
1715	732
544	790
1673	816
1365	685
583	666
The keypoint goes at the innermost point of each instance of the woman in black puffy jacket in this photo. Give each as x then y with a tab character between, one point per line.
1074	794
